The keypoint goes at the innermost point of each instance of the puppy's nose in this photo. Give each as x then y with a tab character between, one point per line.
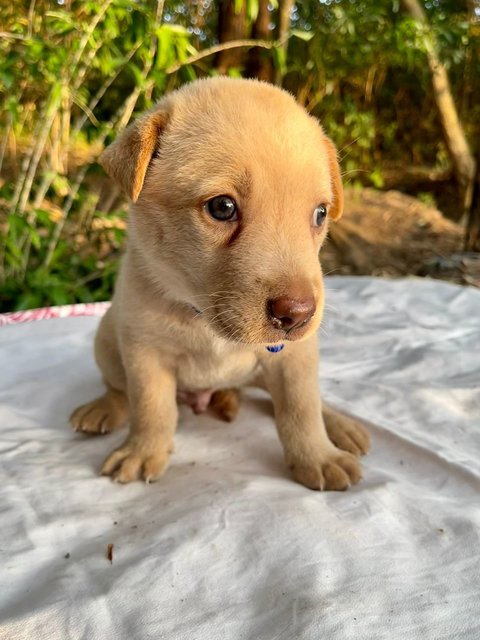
289	313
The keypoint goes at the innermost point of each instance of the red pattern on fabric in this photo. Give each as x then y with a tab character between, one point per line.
46	313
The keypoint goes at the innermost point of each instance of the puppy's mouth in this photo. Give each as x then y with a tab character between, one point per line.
294	333
260	328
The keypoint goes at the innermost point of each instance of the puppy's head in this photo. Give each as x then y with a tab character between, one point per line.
232	186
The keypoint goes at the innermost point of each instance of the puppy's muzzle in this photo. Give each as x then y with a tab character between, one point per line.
287	313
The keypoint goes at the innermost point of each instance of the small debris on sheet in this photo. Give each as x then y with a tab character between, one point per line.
66	556
115	522
441	530
110	553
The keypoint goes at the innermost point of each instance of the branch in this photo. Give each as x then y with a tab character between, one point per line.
234	44
13	36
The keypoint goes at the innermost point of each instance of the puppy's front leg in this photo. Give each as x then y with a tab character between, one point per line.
292	379
153	410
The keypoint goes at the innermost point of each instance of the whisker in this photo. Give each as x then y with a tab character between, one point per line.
331	271
347	146
346	173
218	315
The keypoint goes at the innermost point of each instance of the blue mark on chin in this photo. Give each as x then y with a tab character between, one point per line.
275	348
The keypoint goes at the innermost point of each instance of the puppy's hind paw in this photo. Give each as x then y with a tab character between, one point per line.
225	403
105	414
345	433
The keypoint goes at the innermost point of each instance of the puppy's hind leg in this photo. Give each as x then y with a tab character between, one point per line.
103	415
225	404
346	433
110	411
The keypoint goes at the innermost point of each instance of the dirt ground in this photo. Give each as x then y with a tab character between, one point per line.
392	234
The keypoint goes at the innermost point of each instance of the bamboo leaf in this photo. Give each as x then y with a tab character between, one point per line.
252	9
280	60
237	6
302	35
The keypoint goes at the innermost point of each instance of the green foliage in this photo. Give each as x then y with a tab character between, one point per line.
365	74
78	269
70	79
73	74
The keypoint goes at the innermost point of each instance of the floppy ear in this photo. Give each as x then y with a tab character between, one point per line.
336	208
126	160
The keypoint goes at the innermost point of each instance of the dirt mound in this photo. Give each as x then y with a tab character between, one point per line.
392	234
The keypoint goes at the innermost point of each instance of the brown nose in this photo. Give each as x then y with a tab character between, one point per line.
289	313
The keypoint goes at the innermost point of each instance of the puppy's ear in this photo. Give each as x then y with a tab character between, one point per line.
126	160
336	208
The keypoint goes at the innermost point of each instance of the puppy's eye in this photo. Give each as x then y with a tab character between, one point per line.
319	215
222	208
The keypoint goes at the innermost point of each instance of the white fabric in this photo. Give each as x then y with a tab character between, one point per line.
226	546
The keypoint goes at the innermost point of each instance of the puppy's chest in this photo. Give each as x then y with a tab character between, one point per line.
205	370
201	359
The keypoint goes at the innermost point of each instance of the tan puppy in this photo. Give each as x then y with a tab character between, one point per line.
232	185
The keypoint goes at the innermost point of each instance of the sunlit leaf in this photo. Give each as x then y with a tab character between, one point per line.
302	35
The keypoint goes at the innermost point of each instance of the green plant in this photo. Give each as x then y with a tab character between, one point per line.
74	73
71	78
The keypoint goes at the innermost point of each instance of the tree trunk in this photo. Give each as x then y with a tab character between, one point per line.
231	26
462	159
283	26
259	63
472	235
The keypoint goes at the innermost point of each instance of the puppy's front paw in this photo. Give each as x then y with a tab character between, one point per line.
332	471
136	461
345	433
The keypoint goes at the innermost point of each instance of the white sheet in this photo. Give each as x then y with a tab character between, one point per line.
226	546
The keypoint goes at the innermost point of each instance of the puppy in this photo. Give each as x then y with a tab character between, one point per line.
232	187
